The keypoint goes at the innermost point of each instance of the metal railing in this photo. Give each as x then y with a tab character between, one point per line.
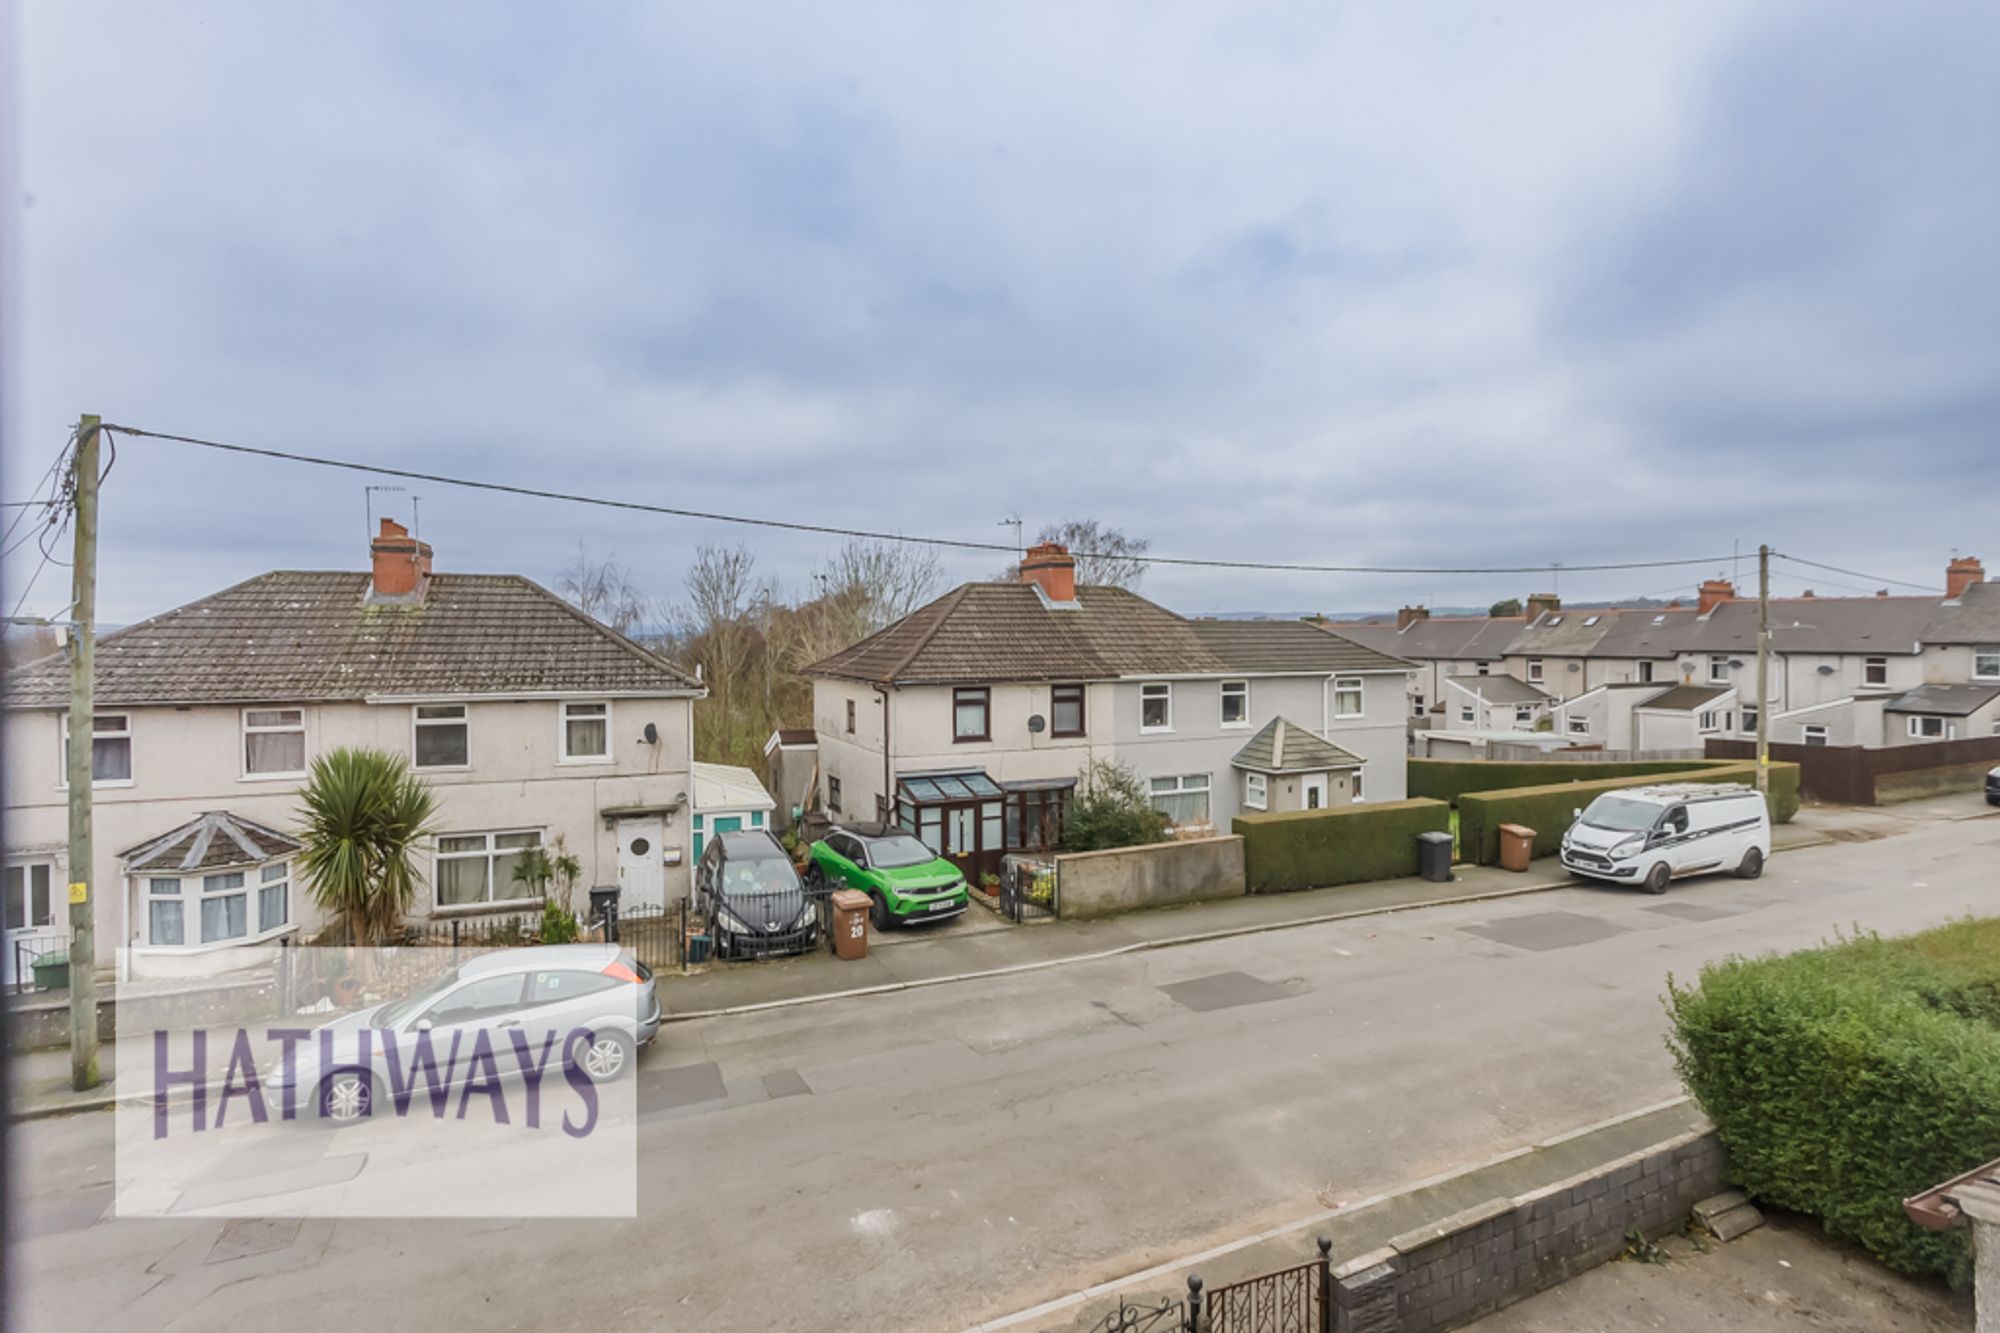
29	950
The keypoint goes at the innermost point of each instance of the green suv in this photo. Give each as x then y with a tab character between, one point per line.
906	880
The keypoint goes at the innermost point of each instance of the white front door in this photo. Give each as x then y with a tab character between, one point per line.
1312	791
33	924
642	873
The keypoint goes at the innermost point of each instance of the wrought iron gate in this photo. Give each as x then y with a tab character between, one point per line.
1292	1300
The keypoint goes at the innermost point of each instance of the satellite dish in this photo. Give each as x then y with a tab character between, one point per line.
1825	670
652	734
1035	723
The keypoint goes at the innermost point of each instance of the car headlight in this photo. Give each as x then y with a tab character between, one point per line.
1625	849
730	921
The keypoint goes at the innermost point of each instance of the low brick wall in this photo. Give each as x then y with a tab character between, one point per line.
39	1021
1471	1264
1124	879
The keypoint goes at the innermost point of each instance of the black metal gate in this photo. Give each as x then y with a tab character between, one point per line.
1291	1300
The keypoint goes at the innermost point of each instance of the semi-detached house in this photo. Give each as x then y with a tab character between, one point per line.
971	720
528	719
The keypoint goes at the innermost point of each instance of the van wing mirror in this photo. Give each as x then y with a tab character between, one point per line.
1576	813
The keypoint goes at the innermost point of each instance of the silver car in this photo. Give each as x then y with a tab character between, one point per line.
528	996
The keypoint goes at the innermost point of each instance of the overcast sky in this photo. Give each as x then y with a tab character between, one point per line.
1410	284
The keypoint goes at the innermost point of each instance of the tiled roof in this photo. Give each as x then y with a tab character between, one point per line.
1501	689
1686	698
1291	646
980	632
1563	633
298	637
1945	700
1463	638
1287	747
1885	625
217	840
1974	617
1656	632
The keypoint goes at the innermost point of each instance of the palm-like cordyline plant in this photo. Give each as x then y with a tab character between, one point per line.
363	815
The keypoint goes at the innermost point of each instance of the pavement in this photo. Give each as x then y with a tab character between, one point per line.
1785	1277
945	1156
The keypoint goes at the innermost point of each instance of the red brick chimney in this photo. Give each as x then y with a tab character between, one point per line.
401	564
1050	567
1410	615
1961	574
1714	592
1539	602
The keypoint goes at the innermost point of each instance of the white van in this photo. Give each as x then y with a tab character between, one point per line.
1650	835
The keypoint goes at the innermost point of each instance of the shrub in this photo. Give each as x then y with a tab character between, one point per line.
1111	809
1548	809
558	924
1847	1078
1301	849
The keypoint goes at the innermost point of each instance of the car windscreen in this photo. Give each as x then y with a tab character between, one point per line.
1621	814
389	1015
897	852
743	876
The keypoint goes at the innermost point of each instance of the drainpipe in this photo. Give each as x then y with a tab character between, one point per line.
888	801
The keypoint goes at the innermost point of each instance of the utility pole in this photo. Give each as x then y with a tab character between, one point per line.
82	709
1763	668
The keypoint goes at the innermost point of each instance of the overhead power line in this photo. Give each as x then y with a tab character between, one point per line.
1855	573
788	525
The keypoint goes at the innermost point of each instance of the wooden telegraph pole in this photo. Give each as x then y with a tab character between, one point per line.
82	707
1764	668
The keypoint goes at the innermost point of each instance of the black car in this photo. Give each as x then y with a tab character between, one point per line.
1993	787
748	888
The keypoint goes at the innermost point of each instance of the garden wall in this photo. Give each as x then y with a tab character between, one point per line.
1304	849
1124	879
1549	809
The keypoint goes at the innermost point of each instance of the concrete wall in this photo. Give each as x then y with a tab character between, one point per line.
186	761
1449	1274
1094	884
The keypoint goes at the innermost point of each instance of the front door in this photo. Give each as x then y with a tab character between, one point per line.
642	874
32	928
1312	791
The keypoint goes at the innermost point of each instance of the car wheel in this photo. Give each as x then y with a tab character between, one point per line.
1657	877
878	912
609	1057
345	1098
1753	864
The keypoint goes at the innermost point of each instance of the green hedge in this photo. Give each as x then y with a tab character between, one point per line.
1548	810
1449	779
1302	849
1844	1079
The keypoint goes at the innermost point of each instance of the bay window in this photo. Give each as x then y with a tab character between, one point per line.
165	923
274	895
224	908
1256	791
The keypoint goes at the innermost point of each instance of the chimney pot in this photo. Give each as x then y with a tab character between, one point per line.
1961	574
1713	593
400	564
1539	602
1050	567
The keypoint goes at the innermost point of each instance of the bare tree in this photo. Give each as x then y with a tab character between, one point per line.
883	581
1105	556
604	590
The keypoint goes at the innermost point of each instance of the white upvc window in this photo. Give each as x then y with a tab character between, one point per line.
1182	799
1749	718
225	908
1874	671
30	902
166	917
1815	735
1256	792
1986	662
1928	728
475	869
1467	714
1416	705
1357	782
441	736
1235	703
1482	668
274	897
1710	720
1718	668
110	751
1524	715
1578	724
274	742
1534	671
586	733
1156	707
1646	672
1347	701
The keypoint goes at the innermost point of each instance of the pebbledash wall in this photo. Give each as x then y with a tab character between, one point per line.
1477	1261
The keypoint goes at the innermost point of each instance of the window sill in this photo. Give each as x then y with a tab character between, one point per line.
971	740
1068	735
1156	731
581	761
217	946
1236	726
272	777
440	768
1349	717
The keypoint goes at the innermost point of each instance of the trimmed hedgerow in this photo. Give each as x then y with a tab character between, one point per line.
1302	849
1449	779
1844	1079
1549	810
